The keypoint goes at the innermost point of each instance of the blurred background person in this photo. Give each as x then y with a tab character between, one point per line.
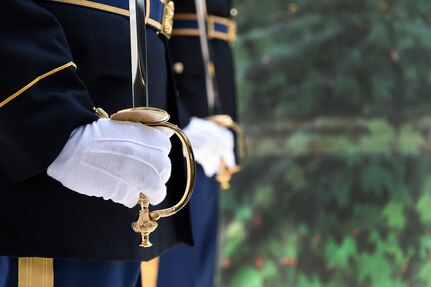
212	143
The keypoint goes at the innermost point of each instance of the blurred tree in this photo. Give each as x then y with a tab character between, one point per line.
334	96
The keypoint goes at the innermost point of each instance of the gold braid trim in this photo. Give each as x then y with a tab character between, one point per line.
32	83
149	271
35	272
96	5
112	9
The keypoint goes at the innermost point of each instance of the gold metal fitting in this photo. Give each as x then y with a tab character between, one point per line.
145	224
211	69
231	32
168	19
154	117
230	36
225	173
100	112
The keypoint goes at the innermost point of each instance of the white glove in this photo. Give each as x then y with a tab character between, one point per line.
211	144
115	160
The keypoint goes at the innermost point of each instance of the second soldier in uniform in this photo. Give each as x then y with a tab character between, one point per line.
196	266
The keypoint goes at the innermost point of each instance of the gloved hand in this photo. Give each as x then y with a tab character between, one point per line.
115	160
211	143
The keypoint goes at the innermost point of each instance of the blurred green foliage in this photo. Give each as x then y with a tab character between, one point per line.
334	97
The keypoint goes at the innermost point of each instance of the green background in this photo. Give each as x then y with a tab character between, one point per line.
335	98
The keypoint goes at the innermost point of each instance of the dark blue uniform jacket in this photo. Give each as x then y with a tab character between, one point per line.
43	98
191	81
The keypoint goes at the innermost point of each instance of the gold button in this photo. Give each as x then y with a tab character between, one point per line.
178	68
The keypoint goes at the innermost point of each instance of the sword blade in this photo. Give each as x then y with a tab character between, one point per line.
201	14
138	53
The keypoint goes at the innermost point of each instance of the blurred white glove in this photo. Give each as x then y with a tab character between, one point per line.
115	160
211	143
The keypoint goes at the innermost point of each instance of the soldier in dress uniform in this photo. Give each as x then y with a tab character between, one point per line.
195	266
70	181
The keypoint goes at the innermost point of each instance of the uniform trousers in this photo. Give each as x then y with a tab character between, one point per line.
195	266
81	273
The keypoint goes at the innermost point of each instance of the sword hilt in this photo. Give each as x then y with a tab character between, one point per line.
154	117
225	173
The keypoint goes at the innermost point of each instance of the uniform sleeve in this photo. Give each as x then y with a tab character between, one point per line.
42	100
184	114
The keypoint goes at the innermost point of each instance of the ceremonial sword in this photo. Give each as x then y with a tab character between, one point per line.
142	113
225	173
